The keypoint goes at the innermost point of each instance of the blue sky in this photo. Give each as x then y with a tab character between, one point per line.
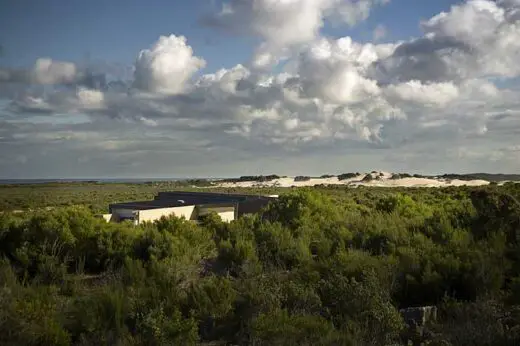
246	87
113	31
116	30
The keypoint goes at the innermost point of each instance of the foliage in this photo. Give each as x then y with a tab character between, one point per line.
261	178
346	176
320	266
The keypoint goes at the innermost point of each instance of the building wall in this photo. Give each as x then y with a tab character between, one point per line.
227	214
151	215
252	206
107	217
123	213
189	212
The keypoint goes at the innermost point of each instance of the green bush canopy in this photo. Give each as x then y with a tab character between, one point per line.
319	266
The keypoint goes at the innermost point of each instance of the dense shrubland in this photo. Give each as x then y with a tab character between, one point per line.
346	176
95	196
254	178
323	266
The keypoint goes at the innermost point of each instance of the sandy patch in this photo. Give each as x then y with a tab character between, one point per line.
378	179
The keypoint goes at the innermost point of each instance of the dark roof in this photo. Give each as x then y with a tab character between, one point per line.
195	197
158	204
174	198
143	205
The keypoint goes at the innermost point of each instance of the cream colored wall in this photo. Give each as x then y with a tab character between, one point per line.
227	214
189	212
155	214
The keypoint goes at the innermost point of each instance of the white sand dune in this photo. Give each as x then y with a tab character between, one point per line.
377	179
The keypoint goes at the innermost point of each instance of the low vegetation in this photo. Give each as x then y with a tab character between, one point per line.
253	178
346	176
483	176
327	176
368	178
320	266
397	176
94	196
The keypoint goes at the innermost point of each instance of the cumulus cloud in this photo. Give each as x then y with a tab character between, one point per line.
167	66
409	104
90	99
64	101
353	12
435	94
284	24
478	38
335	71
278	22
45	71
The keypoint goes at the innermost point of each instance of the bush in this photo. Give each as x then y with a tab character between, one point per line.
346	176
367	178
324	265
31	316
280	328
327	176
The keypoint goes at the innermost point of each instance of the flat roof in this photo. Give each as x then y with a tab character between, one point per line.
208	196
143	205
158	204
172	199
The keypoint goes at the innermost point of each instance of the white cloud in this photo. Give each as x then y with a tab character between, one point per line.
334	71
167	66
436	94
284	24
353	12
66	101
47	71
474	39
90	99
279	22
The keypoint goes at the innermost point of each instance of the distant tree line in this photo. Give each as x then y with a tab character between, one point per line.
259	178
346	176
397	176
327	176
483	176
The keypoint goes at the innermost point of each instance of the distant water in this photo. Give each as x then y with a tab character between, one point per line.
115	180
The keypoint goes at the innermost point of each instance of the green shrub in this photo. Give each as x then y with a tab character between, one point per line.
326	265
280	328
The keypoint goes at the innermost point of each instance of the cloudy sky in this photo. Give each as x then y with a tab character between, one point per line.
208	88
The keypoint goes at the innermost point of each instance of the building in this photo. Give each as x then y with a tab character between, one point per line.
190	205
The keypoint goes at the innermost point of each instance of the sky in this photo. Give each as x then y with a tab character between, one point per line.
212	88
